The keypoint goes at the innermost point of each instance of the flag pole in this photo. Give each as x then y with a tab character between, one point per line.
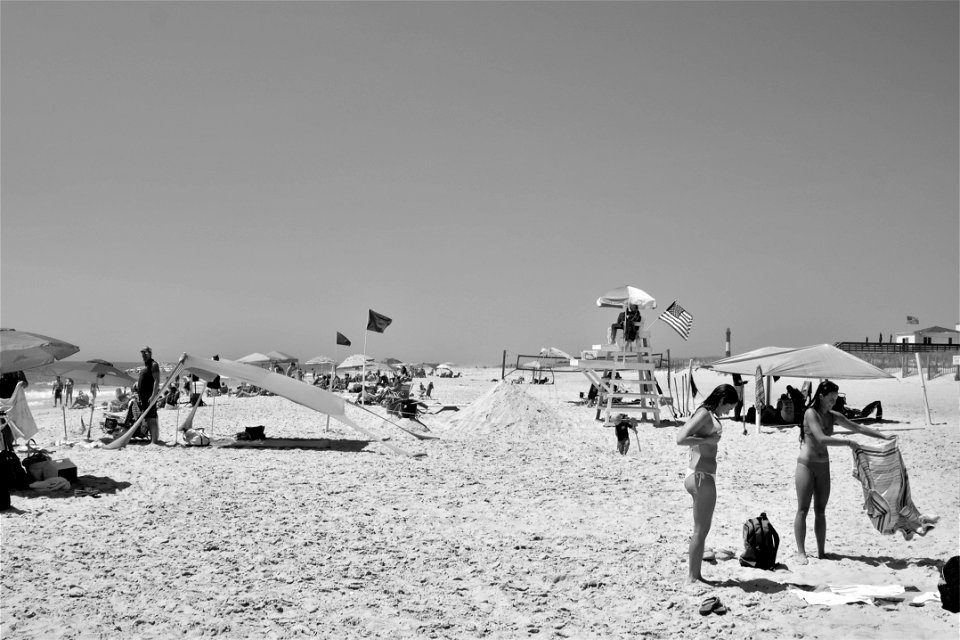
363	367
923	385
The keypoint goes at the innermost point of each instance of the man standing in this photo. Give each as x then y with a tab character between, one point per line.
147	388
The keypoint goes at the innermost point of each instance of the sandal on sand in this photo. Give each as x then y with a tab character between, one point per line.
709	604
720	609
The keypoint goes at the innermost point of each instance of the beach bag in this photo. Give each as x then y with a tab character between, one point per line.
256	433
196	438
950	585
12	474
760	543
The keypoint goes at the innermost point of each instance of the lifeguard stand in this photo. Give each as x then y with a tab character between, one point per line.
626	394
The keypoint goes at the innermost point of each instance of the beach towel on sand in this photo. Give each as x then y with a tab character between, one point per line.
886	491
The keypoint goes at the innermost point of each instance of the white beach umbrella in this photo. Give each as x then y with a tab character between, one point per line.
625	295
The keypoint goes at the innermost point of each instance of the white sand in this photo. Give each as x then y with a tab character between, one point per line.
522	519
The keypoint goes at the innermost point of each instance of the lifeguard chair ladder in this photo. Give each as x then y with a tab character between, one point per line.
601	366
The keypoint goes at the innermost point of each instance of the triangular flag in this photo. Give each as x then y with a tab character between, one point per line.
377	322
342	339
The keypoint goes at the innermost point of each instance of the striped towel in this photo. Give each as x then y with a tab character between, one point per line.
886	491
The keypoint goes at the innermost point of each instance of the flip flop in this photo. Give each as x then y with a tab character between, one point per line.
708	605
720	609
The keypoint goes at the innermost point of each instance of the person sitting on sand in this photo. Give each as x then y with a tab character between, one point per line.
813	464
82	401
702	434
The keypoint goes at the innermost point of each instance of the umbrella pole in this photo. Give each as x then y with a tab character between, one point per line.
63	410
923	385
93	407
213	413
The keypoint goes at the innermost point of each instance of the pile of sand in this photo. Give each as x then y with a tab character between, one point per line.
506	411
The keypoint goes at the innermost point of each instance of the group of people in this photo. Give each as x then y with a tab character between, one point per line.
702	433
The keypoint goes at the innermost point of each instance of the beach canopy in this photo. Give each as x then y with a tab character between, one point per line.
20	350
281	357
627	295
817	361
553	352
320	361
292	389
255	358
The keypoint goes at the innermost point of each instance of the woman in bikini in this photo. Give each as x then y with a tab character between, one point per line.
813	463
702	433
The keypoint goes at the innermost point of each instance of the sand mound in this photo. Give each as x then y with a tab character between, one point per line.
506	411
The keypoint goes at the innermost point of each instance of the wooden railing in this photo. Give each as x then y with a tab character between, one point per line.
893	347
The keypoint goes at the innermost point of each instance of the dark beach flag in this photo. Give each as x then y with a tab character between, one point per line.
913	320
377	322
342	339
679	319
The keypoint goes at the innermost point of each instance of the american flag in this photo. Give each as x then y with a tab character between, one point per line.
913	320
678	318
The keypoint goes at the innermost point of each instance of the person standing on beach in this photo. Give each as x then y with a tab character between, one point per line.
57	391
702	434
147	388
813	464
68	392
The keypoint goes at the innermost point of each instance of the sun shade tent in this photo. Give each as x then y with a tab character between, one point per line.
290	388
817	361
255	358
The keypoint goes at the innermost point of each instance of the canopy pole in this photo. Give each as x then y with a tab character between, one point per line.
213	414
923	386
63	410
758	405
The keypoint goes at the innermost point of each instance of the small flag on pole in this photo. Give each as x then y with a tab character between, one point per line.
913	320
679	319
377	322
342	339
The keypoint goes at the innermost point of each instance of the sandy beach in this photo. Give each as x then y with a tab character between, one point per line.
521	519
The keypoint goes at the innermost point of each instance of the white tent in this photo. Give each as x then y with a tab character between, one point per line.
255	358
817	361
290	388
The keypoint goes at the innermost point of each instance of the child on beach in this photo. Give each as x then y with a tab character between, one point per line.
702	434
813	464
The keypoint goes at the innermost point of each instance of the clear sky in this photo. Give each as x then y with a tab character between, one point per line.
229	177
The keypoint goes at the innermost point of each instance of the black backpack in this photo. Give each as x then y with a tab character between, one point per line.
950	585
12	474
760	543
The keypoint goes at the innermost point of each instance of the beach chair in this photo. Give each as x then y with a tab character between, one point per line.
116	423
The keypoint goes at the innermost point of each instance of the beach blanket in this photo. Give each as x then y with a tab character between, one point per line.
17	414
849	593
886	491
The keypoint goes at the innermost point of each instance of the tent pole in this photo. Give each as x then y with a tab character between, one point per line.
213	413
758	389
923	386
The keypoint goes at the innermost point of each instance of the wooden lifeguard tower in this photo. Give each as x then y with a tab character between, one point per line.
623	371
